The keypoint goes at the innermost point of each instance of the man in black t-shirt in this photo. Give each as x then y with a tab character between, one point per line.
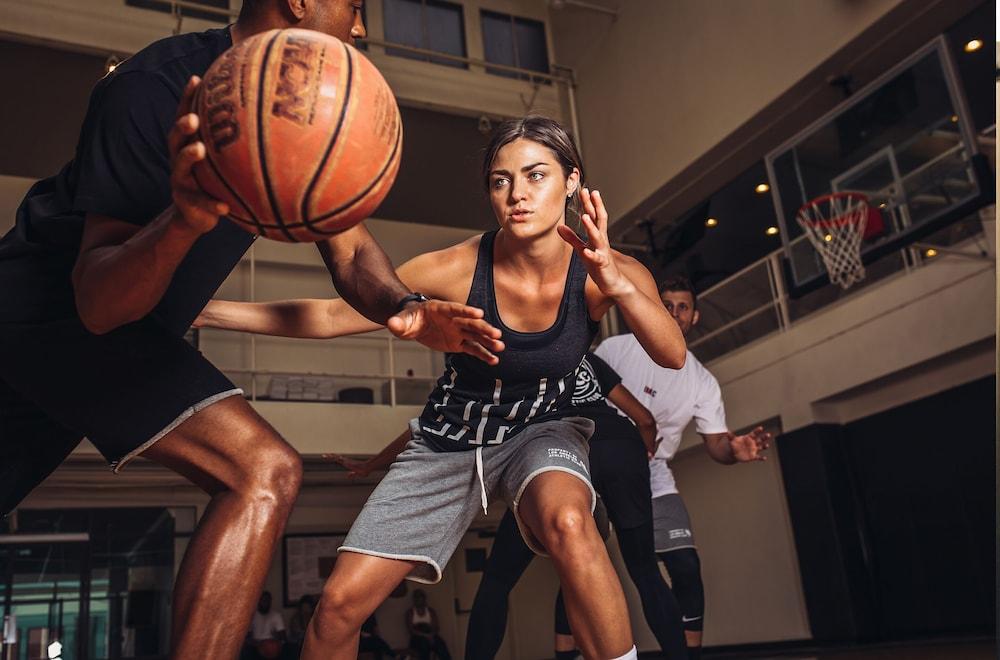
106	267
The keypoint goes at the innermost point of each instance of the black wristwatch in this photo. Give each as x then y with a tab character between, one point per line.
407	299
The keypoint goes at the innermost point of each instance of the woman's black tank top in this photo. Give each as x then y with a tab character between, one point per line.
475	404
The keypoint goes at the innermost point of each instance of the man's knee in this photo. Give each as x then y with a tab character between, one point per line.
279	472
262	466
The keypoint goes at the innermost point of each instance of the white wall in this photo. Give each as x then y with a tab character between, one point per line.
669	79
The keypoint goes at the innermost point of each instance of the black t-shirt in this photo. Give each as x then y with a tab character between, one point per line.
121	169
594	381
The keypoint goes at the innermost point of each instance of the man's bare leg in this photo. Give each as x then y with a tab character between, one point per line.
253	476
358	585
556	508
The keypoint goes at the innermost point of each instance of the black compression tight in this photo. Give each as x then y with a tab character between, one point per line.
684	568
508	560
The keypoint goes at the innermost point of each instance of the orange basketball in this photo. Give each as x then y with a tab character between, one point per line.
303	135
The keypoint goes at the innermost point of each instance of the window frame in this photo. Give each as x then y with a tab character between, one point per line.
513	19
425	36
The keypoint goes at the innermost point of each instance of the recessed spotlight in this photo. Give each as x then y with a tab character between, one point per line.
828	238
771	231
931	252
954	119
711	222
973	45
762	188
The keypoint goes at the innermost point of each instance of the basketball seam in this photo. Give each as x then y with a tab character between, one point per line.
261	147
306	201
374	182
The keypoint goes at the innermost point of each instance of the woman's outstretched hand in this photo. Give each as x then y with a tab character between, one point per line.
597	254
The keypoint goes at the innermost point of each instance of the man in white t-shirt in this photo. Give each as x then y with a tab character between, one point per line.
675	397
266	628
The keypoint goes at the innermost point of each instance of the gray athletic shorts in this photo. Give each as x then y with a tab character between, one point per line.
426	502
671	524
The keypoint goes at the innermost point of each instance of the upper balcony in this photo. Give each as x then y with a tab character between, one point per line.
487	58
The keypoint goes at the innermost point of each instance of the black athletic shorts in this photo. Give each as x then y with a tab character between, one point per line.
123	391
619	470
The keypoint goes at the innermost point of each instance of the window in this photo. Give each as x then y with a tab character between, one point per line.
516	42
166	7
428	24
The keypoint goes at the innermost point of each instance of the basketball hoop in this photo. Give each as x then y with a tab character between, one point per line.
835	225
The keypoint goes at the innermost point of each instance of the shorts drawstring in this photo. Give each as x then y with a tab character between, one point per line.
479	471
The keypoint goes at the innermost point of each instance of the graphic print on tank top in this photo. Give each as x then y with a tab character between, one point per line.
477	404
588	389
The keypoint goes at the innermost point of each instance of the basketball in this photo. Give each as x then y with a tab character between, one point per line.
302	134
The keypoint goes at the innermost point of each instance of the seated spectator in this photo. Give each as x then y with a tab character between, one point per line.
299	621
422	622
267	630
372	642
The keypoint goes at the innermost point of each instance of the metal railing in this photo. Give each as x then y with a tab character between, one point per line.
753	303
390	377
561	74
252	373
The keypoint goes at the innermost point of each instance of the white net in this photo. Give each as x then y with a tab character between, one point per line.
835	225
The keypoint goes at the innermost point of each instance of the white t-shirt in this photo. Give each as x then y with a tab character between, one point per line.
266	626
674	396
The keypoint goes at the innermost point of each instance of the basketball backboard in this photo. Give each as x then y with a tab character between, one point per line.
904	141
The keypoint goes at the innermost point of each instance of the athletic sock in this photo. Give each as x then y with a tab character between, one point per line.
567	655
631	655
694	653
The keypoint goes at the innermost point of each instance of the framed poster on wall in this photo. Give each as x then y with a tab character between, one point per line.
307	560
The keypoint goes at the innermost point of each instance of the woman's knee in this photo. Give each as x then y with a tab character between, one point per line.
340	611
568	527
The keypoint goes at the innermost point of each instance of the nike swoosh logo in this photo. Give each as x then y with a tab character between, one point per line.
687	620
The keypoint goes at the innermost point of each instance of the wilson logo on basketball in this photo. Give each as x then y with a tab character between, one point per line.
298	59
303	134
220	113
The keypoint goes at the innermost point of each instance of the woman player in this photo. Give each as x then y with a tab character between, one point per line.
545	289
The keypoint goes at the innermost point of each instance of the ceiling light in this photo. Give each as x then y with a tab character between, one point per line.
954	119
828	238
762	188
973	45
771	231
931	252
711	222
